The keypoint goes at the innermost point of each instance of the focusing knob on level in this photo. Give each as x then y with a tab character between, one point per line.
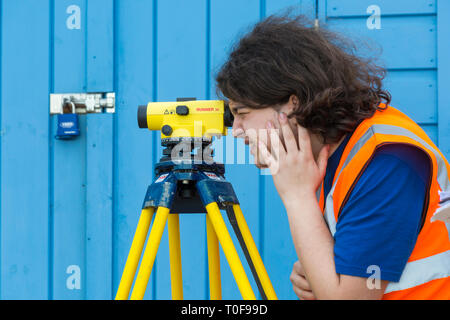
167	130
182	110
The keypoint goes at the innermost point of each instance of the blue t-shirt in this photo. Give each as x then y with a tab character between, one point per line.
379	223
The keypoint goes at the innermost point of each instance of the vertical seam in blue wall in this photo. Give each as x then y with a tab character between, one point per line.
86	37
262	9
155	97
261	177
208	96
114	142
1	134
85	87
154	77
50	156
316	9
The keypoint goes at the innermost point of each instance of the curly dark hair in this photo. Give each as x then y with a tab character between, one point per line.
283	56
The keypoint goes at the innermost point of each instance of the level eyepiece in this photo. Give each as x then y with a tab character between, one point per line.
228	117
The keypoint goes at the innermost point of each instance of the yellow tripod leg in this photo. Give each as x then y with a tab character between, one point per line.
150	253
135	254
254	254
175	257
215	287
230	251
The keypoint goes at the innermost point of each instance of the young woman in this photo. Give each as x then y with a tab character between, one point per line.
359	179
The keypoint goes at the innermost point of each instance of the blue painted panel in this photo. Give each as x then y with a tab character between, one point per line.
402	42
415	93
133	148
306	7
443	76
99	153
432	131
279	251
24	88
69	158
224	34
274	7
99	214
99	49
347	8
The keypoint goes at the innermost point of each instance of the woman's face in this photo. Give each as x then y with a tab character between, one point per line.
250	124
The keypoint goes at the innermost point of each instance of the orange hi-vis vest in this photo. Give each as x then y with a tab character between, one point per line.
427	273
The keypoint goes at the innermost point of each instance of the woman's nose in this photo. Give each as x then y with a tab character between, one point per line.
237	131
237	128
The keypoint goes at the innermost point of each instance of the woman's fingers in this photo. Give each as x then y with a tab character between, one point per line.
304	295
289	138
300	282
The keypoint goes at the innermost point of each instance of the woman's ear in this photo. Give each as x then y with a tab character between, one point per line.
294	101
291	105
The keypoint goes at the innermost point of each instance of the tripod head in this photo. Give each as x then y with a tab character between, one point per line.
187	149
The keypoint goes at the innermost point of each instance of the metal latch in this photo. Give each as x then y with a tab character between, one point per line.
84	102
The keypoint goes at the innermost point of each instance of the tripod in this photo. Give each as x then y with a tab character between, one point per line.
196	184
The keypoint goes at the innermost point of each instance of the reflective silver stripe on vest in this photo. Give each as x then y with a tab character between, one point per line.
318	191
442	176
417	272
421	271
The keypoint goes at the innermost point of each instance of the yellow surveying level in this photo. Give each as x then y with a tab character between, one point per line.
186	118
191	186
